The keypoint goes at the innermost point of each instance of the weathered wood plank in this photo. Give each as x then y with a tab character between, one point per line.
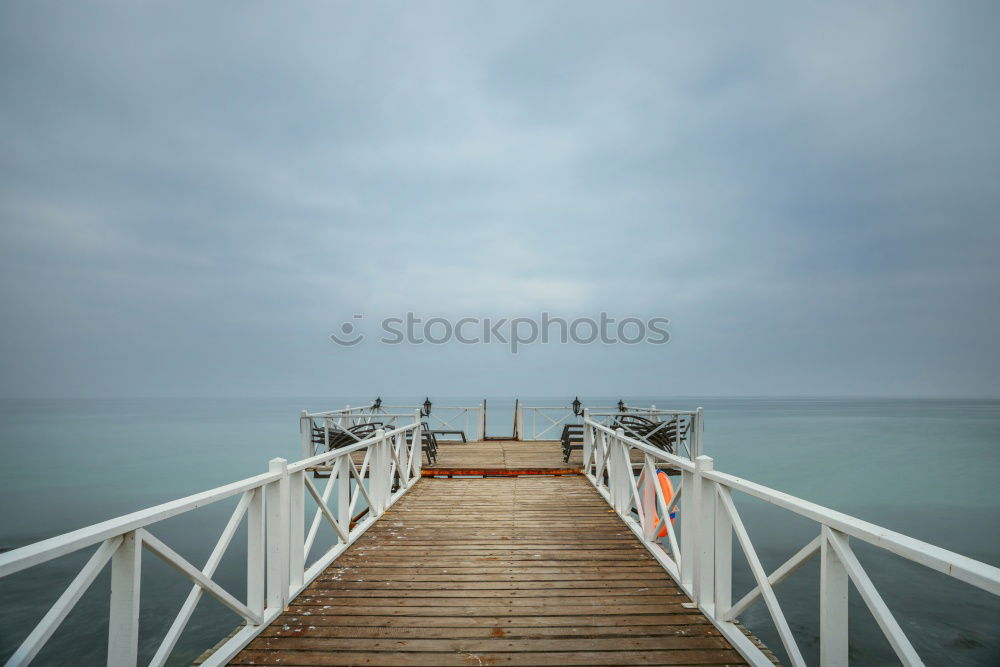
512	571
391	659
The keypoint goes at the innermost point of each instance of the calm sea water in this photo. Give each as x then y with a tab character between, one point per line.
929	469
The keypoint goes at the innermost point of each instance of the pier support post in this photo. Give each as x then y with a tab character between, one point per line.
123	620
833	588
277	536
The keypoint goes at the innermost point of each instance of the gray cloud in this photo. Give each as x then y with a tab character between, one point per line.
191	198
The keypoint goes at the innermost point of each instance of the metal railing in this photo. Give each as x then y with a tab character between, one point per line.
278	544
700	555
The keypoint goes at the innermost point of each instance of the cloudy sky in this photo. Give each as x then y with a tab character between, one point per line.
193	197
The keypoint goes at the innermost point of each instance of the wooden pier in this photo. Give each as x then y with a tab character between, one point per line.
528	569
498	553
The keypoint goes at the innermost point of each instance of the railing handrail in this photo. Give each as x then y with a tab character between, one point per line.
646	448
648	411
342	411
323	457
60	545
699	556
371	410
969	570
277	528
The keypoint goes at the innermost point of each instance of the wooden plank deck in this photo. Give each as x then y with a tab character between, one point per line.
496	571
538	455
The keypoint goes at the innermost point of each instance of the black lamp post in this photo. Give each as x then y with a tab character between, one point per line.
577	406
378	402
621	405
426	412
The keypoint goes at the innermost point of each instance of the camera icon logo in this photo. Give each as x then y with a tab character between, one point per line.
348	335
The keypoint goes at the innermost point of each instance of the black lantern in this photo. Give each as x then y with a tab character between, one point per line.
576	406
621	405
426	412
378	402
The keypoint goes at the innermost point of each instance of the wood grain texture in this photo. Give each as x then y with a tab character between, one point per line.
493	571
509	455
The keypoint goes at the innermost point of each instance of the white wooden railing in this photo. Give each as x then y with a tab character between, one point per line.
682	427
546	422
333	422
278	543
467	418
542	422
699	555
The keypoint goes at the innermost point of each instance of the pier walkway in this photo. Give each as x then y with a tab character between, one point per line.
524	570
499	553
507	458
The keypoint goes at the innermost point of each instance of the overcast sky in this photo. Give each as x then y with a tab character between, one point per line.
194	197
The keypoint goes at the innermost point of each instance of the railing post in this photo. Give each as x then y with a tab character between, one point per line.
417	454
305	435
588	440
480	422
723	555
622	468
123	621
402	453
689	530
344	494
256	575
704	556
277	535
648	492
378	472
833	588
599	454
697	432
296	529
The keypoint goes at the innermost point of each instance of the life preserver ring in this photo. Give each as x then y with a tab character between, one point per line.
668	494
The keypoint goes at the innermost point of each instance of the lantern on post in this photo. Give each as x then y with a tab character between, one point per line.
577	406
621	405
426	411
378	403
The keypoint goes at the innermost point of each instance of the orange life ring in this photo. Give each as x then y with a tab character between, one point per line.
668	494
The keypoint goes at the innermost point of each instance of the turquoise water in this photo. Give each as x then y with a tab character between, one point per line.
929	469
